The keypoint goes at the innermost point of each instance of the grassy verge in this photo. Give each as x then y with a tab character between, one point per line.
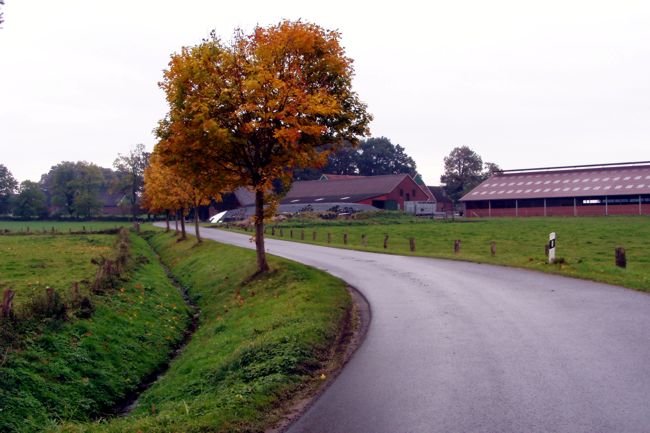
259	343
585	245
80	368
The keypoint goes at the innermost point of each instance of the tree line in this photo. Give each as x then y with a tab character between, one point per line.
76	189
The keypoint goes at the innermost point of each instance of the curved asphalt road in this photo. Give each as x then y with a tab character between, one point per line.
463	347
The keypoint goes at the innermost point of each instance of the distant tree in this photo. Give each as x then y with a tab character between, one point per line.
490	168
74	187
250	111
30	201
373	156
464	170
344	160
8	186
130	175
379	156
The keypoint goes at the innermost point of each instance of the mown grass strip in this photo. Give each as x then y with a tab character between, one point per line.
80	369
586	245
259	343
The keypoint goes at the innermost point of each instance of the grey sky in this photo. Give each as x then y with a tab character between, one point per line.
523	83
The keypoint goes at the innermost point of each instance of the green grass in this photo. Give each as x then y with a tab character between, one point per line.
80	368
29	264
257	345
586	244
60	226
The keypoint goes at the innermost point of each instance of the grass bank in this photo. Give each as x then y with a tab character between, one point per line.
585	245
79	368
259	343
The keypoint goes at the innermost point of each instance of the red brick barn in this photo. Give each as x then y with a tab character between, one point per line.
383	192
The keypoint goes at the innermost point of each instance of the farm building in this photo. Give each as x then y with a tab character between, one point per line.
343	193
443	202
382	192
588	190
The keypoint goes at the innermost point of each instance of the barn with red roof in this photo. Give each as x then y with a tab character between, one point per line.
588	190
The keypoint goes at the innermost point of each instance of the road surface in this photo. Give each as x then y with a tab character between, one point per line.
464	347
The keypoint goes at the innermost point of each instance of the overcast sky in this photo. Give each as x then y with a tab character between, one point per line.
523	83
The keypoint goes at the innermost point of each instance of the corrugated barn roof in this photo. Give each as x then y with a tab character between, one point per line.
606	181
346	190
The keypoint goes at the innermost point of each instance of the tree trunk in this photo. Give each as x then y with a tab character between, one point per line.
196	225
182	215
167	219
176	222
262	265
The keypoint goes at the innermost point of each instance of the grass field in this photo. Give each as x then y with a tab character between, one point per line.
258	343
29	264
585	245
60	226
80	368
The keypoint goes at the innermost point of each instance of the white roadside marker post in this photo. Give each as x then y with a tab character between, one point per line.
551	248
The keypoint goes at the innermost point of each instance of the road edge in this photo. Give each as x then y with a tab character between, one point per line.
349	340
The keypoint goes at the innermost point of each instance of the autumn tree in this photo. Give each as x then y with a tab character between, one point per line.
464	170
130	175
8	185
250	111
165	190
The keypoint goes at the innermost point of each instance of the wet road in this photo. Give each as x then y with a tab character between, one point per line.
463	347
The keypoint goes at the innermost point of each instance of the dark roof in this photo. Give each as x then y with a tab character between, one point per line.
326	176
439	194
587	182
343	190
245	197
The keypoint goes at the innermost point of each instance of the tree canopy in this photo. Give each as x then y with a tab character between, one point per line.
250	111
464	170
8	187
74	187
30	201
129	178
372	157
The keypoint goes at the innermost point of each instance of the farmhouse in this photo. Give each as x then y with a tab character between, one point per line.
586	190
382	192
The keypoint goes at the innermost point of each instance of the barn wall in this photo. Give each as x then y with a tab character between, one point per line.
580	210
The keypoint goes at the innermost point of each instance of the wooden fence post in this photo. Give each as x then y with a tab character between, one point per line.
313	236
281	232
345	238
457	246
272	231
385	241
364	241
621	260
329	237
7	300
302	235
493	249
291	233
412	244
